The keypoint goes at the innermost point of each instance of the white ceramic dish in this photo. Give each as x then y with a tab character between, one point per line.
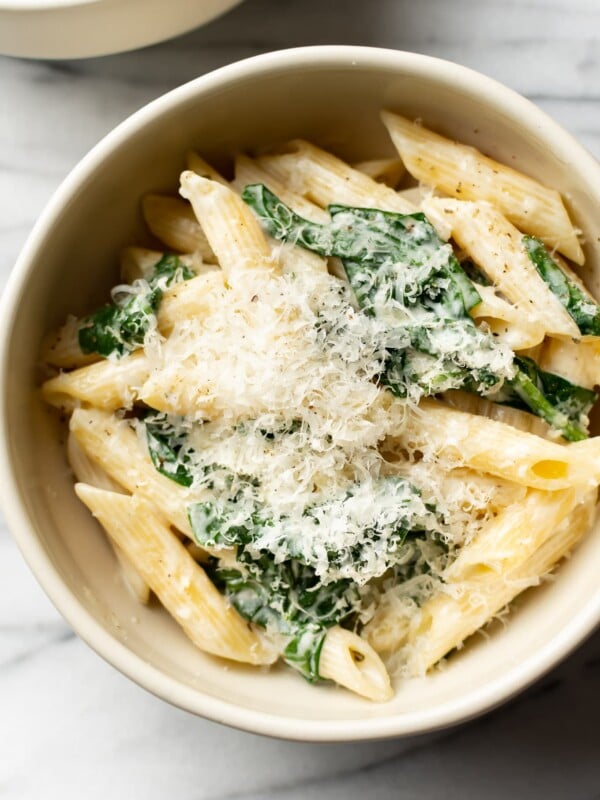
84	28
332	95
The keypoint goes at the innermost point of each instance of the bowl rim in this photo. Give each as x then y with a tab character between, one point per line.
451	712
75	29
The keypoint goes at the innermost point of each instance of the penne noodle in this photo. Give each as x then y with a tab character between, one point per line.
323	178
474	594
187	299
501	548
249	171
350	661
463	172
505	321
521	420
111	443
291	258
108	384
496	247
512	537
499	449
179	582
577	361
61	348
86	471
231	228
172	221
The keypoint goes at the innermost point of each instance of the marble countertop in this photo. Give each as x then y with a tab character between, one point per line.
70	725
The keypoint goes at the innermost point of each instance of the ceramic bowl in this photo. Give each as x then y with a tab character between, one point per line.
84	28
331	95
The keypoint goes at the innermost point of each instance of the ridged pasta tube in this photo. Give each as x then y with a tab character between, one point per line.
463	172
179	582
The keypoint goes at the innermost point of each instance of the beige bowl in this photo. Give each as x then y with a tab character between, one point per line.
83	28
332	95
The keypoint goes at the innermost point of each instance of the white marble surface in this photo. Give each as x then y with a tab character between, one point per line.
70	725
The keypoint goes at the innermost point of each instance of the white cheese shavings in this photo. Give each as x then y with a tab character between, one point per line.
284	369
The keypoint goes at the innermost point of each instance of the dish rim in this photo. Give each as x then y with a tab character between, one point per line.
76	29
454	711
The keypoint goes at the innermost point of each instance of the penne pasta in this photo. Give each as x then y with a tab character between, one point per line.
385	170
111	443
189	299
520	420
475	592
576	360
86	471
61	348
506	321
322	178
496	247
178	581
172	221
476	585
461	171
248	171
108	384
512	537
197	164
232	230
495	447
350	661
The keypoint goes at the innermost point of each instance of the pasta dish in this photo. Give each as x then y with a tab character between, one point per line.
338	416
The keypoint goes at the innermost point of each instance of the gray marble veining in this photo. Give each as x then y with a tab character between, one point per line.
70	725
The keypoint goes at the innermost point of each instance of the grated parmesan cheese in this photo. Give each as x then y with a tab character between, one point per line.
275	393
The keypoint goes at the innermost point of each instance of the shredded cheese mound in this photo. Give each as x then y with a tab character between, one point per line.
292	347
276	392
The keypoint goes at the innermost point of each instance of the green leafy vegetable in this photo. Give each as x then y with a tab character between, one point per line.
287	597
301	576
297	576
168	449
402	273
582	308
562	404
121	327
358	535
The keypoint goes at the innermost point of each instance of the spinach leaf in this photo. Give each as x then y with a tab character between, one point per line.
404	274
121	327
400	271
167	446
167	438
289	598
358	535
291	573
560	403
582	308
